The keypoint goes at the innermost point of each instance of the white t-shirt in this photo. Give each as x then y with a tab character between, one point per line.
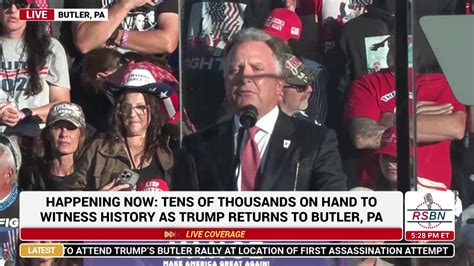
13	61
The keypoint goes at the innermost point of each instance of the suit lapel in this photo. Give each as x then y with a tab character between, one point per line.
277	151
225	157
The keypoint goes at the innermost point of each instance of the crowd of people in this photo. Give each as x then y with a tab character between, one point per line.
277	95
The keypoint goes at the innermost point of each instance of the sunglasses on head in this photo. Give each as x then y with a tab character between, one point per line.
297	88
6	141
18	4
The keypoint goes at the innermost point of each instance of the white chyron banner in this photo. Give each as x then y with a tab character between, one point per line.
241	215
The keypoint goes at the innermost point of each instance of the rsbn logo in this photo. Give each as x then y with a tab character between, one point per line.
429	214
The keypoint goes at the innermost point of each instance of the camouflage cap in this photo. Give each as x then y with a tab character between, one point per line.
296	73
67	112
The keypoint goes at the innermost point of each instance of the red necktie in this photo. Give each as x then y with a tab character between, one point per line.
250	157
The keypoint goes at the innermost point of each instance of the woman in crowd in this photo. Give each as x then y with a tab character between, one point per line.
51	166
135	139
107	64
34	73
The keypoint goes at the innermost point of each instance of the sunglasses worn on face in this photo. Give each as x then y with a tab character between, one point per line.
297	88
18	4
6	141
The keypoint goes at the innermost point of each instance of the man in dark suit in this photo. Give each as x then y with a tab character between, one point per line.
279	152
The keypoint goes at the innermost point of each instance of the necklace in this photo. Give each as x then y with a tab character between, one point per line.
11	89
10	199
140	165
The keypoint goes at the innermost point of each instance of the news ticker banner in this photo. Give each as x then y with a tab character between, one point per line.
32	250
211	216
64	14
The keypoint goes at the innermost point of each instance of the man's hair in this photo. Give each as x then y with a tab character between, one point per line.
7	160
256	35
105	59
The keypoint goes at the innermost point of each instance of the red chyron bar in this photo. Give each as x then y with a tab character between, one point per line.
37	14
64	14
211	234
424	235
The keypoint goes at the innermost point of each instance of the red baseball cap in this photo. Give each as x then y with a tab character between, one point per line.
388	143
143	73
283	23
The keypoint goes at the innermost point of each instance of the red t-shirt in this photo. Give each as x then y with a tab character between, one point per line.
374	94
369	97
433	159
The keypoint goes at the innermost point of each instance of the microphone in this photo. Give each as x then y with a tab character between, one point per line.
153	184
248	116
428	200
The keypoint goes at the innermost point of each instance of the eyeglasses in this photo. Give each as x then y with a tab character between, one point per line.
18	4
127	109
297	88
6	141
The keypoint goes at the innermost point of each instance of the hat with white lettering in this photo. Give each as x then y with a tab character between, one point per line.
146	77
153	184
388	142
66	111
296	73
283	23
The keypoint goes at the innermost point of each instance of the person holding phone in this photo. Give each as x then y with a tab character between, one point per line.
136	139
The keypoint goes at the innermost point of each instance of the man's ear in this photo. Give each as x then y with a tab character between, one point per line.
10	175
280	86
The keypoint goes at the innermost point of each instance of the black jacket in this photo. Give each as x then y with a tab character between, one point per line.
310	163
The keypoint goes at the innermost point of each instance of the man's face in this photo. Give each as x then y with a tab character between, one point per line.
140	22
295	98
251	77
6	179
10	17
388	164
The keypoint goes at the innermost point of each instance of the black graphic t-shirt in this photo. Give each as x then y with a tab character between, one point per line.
143	18
152	178
208	26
